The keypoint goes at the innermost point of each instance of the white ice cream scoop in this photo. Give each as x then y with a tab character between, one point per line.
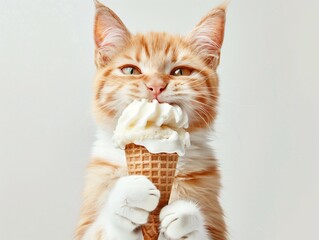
159	127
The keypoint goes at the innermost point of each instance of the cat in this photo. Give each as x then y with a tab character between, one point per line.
172	69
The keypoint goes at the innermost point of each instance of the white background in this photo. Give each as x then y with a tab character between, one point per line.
267	134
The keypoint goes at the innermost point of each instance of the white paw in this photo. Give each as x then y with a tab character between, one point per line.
182	220
131	200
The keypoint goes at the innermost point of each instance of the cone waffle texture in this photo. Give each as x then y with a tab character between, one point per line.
160	169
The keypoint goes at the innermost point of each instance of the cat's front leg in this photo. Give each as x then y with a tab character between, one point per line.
129	204
182	220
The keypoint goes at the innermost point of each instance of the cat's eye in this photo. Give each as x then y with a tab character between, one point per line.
131	70
181	71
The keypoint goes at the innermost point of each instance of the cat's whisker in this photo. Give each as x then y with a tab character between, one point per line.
203	69
187	108
197	83
202	108
202	118
207	96
199	115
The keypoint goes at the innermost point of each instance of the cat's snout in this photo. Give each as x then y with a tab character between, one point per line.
156	87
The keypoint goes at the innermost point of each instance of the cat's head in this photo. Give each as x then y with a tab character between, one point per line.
172	69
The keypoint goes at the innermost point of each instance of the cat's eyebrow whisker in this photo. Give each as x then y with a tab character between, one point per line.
199	73
203	69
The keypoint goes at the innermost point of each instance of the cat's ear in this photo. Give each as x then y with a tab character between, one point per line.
207	37
110	34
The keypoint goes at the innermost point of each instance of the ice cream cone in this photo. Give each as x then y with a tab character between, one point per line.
160	169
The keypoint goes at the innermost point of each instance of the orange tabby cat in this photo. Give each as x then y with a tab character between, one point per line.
171	69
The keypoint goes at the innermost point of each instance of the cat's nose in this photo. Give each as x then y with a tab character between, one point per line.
156	87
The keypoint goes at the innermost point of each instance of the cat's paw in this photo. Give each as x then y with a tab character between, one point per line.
131	200
182	220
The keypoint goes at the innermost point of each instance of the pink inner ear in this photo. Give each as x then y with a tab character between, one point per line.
207	37
113	36
109	29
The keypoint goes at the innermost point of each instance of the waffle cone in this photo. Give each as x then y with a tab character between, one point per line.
160	169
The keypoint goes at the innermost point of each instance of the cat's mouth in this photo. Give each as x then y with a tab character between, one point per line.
162	99
165	101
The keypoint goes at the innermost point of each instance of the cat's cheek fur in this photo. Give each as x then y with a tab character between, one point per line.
182	220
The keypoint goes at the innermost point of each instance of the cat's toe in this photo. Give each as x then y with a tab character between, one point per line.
133	198
142	194
135	215
181	219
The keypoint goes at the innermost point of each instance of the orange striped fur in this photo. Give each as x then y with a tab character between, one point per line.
156	55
